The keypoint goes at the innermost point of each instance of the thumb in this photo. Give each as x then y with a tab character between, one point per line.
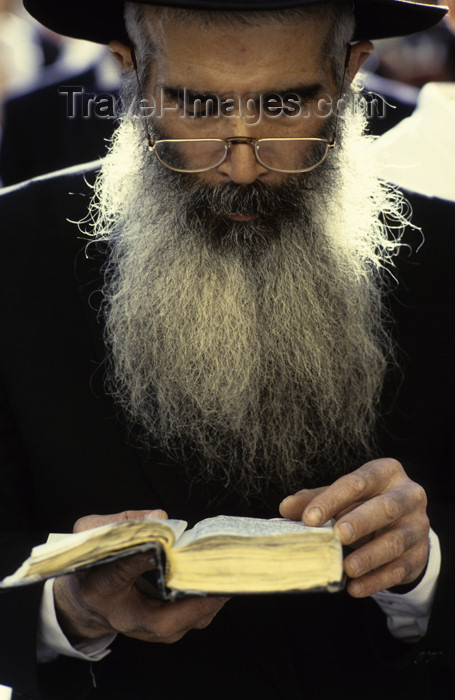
293	506
91	521
123	573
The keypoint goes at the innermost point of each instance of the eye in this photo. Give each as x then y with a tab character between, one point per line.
202	106
292	103
198	109
273	104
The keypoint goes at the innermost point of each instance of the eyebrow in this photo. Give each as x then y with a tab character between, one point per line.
302	91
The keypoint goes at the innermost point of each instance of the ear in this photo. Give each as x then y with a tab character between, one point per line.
359	54
122	54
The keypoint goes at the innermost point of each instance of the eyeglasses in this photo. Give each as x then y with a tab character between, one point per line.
282	155
279	154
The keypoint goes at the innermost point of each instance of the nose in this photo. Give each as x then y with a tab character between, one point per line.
241	165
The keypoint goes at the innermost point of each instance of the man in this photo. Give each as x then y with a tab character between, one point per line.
244	351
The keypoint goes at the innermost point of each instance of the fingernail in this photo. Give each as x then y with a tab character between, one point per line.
355	588
313	516
346	532
355	566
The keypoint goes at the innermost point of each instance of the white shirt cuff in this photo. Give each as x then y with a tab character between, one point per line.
408	614
51	642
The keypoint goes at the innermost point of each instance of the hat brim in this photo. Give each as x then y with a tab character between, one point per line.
102	20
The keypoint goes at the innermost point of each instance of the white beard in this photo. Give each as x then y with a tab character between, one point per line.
257	348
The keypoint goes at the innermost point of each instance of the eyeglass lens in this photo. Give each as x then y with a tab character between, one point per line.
285	155
291	155
191	156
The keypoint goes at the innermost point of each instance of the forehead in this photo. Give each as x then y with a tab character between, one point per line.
241	58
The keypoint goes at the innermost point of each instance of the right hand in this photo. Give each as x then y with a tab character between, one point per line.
105	600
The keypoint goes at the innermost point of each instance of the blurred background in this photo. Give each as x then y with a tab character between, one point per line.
37	135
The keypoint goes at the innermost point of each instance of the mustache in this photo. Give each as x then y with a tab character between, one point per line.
264	200
256	198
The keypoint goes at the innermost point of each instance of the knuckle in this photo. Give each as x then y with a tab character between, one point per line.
368	563
130	628
419	530
404	570
392	507
168	630
421	549
393	468
210	606
420	496
426	528
162	630
392	576
422	552
356	482
415	498
203	622
394	465
396	545
387	470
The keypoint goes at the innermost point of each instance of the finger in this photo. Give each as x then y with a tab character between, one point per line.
168	622
404	570
185	615
110	579
380	512
293	506
370	479
388	547
91	521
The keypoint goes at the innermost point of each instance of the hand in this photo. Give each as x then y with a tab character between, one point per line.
104	599
381	513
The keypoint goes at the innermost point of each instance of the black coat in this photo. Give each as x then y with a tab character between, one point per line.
40	133
65	453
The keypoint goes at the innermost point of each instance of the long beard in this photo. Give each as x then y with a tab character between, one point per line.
257	348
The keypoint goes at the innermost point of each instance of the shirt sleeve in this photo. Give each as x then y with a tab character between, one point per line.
51	642
408	614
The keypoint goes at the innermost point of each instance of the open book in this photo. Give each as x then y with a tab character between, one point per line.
221	555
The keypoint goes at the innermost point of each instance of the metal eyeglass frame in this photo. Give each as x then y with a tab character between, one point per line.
235	140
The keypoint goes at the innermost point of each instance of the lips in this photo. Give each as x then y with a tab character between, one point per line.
242	217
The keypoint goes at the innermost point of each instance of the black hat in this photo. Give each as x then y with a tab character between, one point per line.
102	20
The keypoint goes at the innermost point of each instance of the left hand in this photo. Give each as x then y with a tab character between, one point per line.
381	513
